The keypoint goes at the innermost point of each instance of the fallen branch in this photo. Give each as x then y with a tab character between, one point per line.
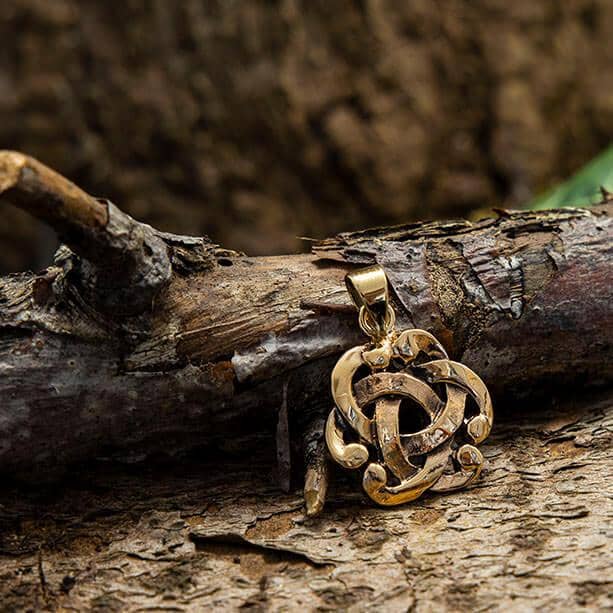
145	341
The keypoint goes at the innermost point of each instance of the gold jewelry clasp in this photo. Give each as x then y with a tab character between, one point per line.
369	291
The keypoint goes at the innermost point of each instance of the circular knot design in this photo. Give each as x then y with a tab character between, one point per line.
408	372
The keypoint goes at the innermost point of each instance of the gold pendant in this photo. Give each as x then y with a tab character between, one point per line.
403	365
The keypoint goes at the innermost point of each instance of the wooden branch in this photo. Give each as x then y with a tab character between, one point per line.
524	300
126	262
317	473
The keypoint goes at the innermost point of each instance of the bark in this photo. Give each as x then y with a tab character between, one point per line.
208	117
218	535
227	340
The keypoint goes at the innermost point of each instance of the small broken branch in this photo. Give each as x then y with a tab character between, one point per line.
317	474
45	194
284	464
126	262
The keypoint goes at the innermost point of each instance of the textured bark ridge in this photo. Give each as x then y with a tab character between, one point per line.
229	349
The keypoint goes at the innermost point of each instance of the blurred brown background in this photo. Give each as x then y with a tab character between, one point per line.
257	122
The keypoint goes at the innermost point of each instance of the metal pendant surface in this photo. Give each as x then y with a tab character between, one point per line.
363	429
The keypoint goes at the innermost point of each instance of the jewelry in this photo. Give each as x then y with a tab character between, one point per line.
363	427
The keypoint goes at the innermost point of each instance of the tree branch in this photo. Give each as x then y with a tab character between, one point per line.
126	263
524	300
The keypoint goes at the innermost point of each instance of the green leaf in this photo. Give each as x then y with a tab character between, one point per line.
583	188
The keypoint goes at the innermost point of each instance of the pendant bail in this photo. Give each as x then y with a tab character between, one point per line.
369	291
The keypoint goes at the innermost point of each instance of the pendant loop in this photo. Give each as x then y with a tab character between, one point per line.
369	291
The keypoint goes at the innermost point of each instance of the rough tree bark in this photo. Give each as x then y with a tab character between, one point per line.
531	535
205	346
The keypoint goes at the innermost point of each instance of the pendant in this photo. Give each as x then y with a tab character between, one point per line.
407	371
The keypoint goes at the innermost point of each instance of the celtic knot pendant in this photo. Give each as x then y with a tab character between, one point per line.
363	429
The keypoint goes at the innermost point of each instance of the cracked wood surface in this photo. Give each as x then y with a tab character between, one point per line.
532	534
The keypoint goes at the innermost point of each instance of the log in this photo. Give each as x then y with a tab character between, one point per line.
523	299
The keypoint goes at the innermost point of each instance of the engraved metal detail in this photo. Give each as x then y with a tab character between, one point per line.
411	365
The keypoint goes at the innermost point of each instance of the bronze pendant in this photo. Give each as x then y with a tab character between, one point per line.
404	365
